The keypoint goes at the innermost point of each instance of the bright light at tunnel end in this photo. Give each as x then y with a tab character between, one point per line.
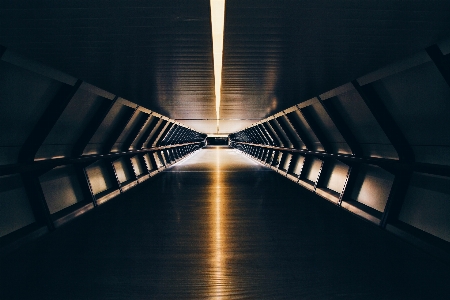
218	23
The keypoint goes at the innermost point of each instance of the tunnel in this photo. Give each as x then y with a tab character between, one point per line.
299	150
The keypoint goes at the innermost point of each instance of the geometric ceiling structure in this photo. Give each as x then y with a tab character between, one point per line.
347	99
158	54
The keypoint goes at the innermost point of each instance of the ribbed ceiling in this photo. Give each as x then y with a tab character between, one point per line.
158	53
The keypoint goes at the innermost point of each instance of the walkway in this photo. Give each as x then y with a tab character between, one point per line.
220	226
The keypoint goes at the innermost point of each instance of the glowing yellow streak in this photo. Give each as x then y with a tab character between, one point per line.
217	234
218	23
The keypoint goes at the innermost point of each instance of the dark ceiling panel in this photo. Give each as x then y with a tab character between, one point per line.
158	53
279	53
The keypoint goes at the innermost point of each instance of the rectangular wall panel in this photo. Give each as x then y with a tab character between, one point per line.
61	188
427	205
123	171
286	161
15	209
337	177
373	187
312	169
296	165
158	159
137	165
99	177
150	161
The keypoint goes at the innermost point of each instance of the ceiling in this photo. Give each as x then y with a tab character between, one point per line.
158	53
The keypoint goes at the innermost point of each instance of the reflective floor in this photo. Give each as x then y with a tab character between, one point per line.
220	226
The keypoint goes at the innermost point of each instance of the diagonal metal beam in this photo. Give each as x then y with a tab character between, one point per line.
280	133
134	132
85	185
276	140
155	133
343	128
396	197
46	122
262	134
316	129
300	131
350	182
92	127
386	121
36	196
118	129
145	135
441	61
284	123
163	134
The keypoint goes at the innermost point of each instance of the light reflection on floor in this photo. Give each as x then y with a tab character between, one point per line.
219	162
220	226
218	236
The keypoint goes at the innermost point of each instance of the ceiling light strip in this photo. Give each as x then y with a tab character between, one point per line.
218	23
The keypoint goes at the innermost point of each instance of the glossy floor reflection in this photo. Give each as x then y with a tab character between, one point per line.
220	226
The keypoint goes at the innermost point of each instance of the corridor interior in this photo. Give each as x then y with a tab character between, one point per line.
219	225
197	149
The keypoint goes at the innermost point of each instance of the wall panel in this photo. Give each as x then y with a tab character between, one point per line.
373	187
15	209
70	125
337	176
134	121
61	188
99	177
296	166
150	161
286	161
418	99
103	132
137	165
427	205
25	95
123	171
305	131
328	128
311	170
364	127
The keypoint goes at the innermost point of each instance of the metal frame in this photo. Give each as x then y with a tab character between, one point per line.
140	143
385	163
34	166
300	130
92	126
441	61
46	122
341	126
114	135
316	129
134	132
385	120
